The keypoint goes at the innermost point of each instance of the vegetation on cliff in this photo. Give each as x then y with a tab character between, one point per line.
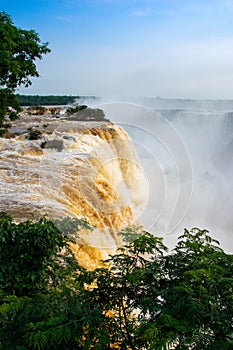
143	298
19	49
83	113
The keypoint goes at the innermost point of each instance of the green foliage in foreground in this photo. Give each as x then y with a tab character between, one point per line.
143	298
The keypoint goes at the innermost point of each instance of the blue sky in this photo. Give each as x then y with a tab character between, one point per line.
166	48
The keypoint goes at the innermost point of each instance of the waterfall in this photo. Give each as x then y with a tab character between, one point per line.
78	169
165	171
187	154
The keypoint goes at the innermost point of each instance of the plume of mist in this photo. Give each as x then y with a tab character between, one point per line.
205	130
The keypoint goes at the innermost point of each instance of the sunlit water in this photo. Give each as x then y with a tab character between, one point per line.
78	169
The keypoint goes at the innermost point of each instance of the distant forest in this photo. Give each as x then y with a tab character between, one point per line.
50	100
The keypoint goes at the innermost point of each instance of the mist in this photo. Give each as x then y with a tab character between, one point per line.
186	154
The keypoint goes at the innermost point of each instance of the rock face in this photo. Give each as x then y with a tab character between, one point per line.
78	169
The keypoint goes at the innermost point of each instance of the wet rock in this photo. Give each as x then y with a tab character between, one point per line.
69	138
54	144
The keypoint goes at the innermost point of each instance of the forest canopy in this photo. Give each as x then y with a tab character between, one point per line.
50	100
143	296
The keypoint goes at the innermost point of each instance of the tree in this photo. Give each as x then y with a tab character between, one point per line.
44	303
143	298
18	51
34	256
181	300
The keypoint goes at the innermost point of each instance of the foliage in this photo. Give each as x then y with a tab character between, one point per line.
82	113
19	50
70	226
50	100
181	300
75	109
43	300
30	256
143	298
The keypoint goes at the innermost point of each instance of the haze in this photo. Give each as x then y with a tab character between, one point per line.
175	49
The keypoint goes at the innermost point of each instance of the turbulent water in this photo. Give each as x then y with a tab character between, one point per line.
208	136
176	173
187	154
79	169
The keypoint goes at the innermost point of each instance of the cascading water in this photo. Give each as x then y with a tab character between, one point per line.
208	135
205	175
78	169
177	173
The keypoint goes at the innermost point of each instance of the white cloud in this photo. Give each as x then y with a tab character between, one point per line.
151	60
